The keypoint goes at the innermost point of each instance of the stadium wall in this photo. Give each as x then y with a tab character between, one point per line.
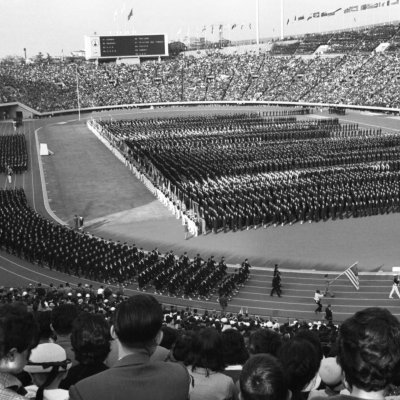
384	110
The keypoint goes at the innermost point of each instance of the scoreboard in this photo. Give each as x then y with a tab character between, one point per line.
153	45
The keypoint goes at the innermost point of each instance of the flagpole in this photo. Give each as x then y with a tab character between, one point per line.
282	19
257	23
351	266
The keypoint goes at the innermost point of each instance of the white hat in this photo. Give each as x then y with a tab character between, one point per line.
330	371
46	356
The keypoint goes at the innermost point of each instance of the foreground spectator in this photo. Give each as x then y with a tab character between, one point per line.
18	335
206	364
47	365
262	378
62	318
265	341
137	327
300	361
234	351
369	353
90	340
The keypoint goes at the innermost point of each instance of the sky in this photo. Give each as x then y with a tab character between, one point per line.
58	26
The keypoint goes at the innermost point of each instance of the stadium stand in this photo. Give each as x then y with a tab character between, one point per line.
354	75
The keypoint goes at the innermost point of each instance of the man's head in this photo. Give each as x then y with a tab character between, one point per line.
138	321
18	335
262	378
369	349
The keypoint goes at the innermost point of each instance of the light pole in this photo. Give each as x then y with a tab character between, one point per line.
77	90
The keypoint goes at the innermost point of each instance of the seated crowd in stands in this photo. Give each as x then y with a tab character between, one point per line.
357	75
147	352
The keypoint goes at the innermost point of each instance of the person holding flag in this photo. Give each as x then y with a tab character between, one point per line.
327	287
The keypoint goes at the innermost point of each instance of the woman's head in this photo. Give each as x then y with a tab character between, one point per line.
206	350
233	347
90	338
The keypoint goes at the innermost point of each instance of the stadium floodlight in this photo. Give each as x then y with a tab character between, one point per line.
77	90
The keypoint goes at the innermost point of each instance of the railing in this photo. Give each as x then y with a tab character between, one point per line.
230	103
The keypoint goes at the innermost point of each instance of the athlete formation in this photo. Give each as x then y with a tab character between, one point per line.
243	171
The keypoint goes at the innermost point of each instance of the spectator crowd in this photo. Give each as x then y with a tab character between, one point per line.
355	75
70	352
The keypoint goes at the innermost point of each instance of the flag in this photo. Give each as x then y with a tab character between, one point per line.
221	27
352	274
233	26
130	15
204	28
287	22
250	26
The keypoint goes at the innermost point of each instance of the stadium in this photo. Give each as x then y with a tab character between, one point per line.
213	176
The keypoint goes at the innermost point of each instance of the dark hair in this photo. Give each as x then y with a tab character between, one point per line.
300	362
262	378
182	347
265	341
43	319
369	349
62	318
233	347
90	338
138	320
18	329
313	338
170	335
206	351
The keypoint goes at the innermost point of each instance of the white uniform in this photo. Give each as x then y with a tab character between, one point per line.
395	287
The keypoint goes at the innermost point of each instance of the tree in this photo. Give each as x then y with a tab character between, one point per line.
174	48
39	58
12	60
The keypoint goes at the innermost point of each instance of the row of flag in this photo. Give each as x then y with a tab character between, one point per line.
221	27
363	7
122	13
